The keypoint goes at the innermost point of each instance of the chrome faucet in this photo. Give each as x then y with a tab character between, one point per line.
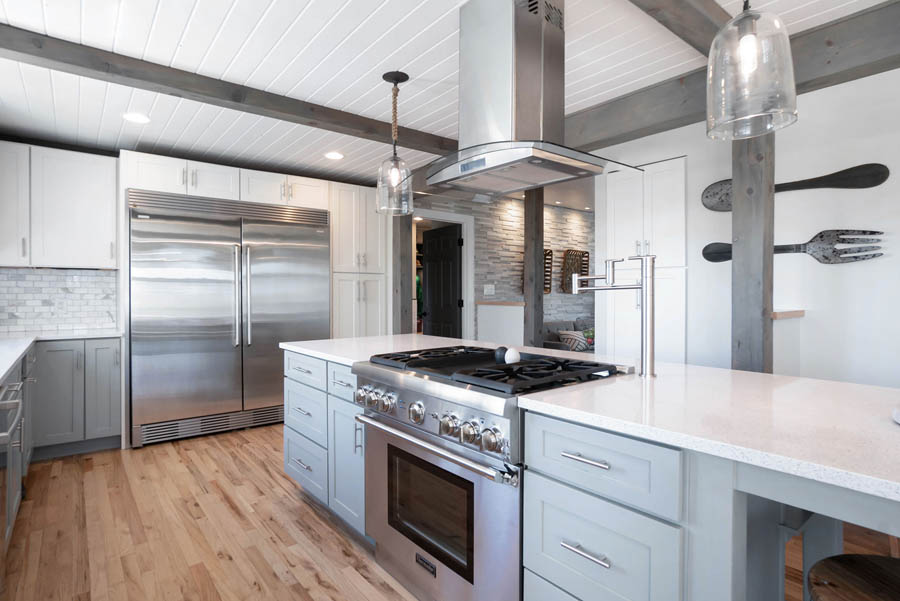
581	283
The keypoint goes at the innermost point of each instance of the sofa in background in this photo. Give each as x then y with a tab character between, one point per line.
552	328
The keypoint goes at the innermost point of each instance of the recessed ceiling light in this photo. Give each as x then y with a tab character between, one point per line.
587	208
334	155
138	118
559	203
418	218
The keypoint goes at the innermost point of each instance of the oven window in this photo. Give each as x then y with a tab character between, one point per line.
433	508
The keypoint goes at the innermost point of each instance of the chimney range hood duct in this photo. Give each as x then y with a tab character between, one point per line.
511	102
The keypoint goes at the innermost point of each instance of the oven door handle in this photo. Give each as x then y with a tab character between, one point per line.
473	466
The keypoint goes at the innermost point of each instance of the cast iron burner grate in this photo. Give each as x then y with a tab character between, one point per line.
529	375
443	355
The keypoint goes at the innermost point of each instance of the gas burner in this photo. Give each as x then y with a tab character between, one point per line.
413	358
530	375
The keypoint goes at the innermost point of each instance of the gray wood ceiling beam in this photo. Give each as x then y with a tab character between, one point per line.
60	55
862	44
694	21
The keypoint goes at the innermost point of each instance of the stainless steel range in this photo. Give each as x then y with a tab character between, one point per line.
443	441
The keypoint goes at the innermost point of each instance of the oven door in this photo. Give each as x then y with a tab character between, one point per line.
445	525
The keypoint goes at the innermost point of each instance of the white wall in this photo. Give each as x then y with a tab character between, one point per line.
851	330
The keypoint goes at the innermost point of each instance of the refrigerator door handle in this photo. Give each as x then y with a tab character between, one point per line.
249	278
237	295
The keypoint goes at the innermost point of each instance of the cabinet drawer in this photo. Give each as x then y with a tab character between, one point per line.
341	383
307	370
537	589
306	411
641	474
569	533
307	463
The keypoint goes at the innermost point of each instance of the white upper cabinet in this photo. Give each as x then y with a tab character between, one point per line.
73	209
263	187
646	213
307	192
345	254
213	181
372	233
15	236
151	172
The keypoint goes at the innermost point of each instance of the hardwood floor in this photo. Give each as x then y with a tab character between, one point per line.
212	518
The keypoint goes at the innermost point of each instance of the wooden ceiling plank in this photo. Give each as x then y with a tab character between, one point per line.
694	21
862	44
36	49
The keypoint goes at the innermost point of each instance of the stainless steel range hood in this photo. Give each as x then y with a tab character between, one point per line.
511	104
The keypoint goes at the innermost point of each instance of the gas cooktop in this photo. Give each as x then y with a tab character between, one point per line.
477	366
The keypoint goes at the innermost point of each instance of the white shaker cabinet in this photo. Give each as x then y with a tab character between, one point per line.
358	305
213	181
344	305
372	305
307	192
152	172
345	228
646	213
15	236
263	187
372	233
73	209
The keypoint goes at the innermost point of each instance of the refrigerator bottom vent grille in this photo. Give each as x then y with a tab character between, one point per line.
210	424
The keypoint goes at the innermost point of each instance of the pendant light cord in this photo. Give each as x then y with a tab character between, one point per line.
394	92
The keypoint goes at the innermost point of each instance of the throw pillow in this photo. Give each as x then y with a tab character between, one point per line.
574	340
589	336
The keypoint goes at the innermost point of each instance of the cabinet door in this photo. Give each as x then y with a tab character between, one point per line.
73	209
102	395
346	463
624	214
372	308
28	399
213	181
344	227
151	172
14	480
624	317
307	192
372	233
14	205
345	303
59	392
262	186
664	211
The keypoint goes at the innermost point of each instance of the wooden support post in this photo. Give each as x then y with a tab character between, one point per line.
752	224
534	267
402	275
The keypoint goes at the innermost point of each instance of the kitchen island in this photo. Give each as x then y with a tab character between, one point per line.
712	470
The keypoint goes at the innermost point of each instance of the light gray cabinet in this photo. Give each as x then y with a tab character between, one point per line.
307	463
28	396
76	394
102	392
346	463
58	411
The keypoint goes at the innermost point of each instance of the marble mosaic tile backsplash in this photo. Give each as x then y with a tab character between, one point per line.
52	300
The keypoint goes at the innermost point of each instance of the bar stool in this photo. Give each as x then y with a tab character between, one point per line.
855	578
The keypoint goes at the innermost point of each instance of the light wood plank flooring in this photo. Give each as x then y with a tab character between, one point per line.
212	518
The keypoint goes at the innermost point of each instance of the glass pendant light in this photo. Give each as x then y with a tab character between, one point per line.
394	196
750	87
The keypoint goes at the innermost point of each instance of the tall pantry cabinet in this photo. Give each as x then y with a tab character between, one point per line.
358	260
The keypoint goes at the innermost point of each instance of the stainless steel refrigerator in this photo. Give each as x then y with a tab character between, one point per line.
215	285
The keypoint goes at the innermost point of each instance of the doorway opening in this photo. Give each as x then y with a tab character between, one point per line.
438	285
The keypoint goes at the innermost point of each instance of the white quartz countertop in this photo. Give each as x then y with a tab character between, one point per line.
833	432
64	334
11	350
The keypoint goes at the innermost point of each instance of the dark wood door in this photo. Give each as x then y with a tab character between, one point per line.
442	285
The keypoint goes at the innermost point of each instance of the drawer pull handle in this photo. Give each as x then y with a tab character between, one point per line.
577	549
301	370
603	465
303	465
301	411
342	383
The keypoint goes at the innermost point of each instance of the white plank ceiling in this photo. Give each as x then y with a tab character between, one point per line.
329	52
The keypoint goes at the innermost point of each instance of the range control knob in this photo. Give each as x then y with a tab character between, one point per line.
449	425
492	440
417	412
360	395
386	402
469	432
372	397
